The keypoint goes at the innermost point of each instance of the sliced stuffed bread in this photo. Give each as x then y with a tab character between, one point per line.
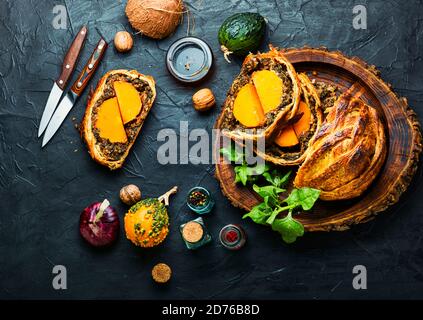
263	95
290	142
115	114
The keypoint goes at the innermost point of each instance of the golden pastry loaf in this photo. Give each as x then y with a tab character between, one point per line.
102	150
347	152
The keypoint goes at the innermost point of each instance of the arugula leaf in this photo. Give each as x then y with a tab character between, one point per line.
269	194
241	174
259	213
289	228
304	197
258	169
232	154
275	178
266	212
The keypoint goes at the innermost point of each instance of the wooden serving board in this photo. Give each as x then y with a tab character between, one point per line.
402	128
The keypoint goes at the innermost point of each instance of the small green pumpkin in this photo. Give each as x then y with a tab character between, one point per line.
241	33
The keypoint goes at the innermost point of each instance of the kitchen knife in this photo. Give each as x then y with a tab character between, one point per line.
76	90
69	63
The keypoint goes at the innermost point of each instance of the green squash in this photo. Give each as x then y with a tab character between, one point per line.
241	33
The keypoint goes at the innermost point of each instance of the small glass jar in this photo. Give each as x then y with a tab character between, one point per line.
232	237
195	234
189	59
200	200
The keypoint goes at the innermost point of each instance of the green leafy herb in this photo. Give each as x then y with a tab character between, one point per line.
304	197
266	213
243	172
270	194
259	213
289	228
232	154
275	178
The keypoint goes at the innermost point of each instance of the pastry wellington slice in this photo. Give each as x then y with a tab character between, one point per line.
264	94
115	114
347	152
291	141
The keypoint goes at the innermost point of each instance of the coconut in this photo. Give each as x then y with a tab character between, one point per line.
154	18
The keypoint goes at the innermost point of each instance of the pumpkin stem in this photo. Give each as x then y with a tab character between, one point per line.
166	196
100	212
226	53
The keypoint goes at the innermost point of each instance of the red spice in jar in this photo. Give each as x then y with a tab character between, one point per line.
232	237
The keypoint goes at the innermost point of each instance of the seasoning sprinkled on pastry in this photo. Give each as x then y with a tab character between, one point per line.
347	152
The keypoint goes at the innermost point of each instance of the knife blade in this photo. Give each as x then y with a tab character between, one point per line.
65	106
68	66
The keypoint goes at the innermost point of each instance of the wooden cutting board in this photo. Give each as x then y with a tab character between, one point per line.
402	128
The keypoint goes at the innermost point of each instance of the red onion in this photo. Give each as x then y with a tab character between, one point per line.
99	224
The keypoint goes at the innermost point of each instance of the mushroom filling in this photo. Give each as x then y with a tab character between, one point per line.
328	95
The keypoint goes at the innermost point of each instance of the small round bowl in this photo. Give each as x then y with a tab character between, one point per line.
189	59
207	207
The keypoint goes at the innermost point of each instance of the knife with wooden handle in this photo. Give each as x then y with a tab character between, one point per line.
69	64
75	92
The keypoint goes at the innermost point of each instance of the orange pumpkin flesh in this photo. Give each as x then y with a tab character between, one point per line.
290	135
247	108
269	89
129	100
263	95
109	122
303	124
287	137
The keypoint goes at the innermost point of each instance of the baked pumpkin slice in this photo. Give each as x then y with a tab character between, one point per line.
115	114
347	152
264	94
290	143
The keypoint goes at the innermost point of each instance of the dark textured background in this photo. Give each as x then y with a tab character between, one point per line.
42	192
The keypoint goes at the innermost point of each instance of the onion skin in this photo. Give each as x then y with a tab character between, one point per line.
102	232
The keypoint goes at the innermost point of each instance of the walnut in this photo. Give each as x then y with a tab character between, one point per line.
130	194
203	100
123	41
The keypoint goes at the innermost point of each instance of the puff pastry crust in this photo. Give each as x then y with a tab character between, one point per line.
113	155
347	152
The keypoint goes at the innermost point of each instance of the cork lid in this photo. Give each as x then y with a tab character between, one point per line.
161	273
193	232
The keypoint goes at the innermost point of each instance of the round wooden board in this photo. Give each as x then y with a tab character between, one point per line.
402	128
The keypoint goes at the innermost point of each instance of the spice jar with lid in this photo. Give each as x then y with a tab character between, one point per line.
200	200
189	60
195	234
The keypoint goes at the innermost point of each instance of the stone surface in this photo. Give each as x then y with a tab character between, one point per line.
43	191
